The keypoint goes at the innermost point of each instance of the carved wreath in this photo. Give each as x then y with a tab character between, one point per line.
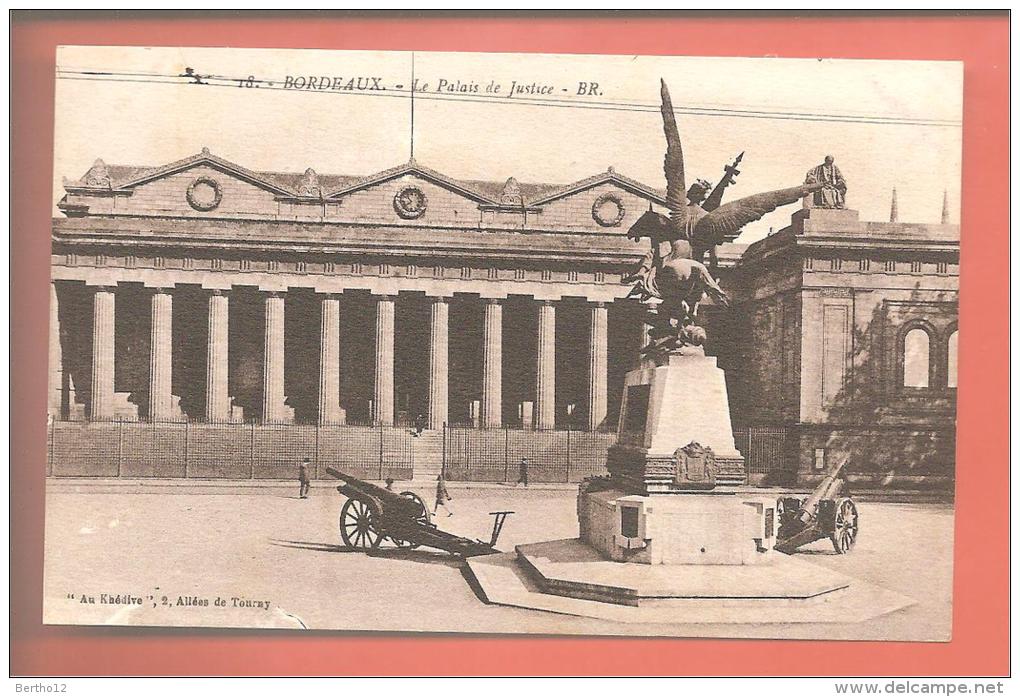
410	203
200	205
599	214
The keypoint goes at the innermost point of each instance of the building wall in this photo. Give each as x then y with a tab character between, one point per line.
812	347
829	308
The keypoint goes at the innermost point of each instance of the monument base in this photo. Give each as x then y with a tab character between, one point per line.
692	558
720	528
669	404
566	577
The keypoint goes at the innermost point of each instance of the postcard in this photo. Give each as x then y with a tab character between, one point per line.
503	343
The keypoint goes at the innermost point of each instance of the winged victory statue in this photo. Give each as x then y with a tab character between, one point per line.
673	270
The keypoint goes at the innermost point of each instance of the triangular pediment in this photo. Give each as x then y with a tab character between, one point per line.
207	159
610	177
412	169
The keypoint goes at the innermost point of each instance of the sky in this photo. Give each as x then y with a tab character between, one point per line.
887	123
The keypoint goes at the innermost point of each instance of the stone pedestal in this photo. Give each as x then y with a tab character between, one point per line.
667	405
827	221
697	528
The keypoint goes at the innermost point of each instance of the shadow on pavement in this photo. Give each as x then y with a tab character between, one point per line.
817	552
421	556
313	546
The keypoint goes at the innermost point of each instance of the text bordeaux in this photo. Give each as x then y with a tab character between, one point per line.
333	83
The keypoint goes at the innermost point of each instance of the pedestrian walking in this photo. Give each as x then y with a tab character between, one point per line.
303	482
522	475
442	497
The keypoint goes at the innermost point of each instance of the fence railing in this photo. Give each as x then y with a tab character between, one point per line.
494	455
273	451
225	451
764	448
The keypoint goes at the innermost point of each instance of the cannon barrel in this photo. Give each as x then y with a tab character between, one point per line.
828	488
388	502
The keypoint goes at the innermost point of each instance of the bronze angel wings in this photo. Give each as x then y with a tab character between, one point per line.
713	226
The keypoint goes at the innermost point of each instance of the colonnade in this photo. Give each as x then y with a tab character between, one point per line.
274	410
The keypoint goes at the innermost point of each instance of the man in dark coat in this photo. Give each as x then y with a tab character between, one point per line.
303	482
442	496
522	476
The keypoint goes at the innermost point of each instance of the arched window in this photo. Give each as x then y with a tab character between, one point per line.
951	360
916	345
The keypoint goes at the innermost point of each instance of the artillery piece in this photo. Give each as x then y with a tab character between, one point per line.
828	512
373	514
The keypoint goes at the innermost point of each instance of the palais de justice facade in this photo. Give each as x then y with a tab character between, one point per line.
203	291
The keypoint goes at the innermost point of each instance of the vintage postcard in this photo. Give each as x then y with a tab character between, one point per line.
493	343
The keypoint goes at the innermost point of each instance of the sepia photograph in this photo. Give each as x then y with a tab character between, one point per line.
503	343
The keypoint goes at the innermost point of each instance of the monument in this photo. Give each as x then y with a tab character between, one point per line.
659	540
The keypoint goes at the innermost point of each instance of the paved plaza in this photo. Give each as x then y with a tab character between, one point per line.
262	557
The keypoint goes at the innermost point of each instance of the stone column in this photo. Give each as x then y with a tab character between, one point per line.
492	365
54	398
103	314
439	362
598	362
384	360
329	361
217	393
161	356
545	397
272	385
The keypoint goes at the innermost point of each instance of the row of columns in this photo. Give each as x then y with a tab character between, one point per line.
217	370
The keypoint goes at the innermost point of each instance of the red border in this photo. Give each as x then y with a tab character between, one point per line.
981	611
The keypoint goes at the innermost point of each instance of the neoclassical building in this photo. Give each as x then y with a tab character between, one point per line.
203	291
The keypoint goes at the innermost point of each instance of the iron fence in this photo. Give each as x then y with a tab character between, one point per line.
494	455
272	451
765	450
225	451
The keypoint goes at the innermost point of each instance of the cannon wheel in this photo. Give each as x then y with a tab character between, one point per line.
422	516
357	525
844	529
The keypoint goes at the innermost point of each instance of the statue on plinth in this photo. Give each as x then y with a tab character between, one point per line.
673	270
832	193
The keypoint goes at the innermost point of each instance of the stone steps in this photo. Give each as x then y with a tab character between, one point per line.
427	450
536	577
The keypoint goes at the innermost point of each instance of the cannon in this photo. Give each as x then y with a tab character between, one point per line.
828	512
372	515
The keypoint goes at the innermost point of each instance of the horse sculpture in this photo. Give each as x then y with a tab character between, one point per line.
673	270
